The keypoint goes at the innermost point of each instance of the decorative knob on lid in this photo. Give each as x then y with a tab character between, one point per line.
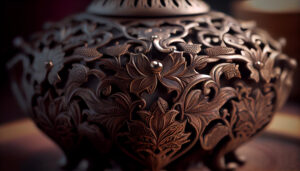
142	8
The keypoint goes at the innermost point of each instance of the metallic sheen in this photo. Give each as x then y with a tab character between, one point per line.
151	93
147	8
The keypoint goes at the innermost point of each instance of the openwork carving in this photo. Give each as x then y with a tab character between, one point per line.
152	89
147	7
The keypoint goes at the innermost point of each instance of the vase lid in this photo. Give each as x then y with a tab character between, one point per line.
148	8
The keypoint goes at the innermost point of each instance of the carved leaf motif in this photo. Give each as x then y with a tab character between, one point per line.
120	112
254	110
148	84
219	50
158	134
117	50
56	120
174	68
204	112
78	74
254	73
190	48
44	114
138	68
117	104
230	71
201	111
87	53
117	108
75	112
199	106
199	62
267	72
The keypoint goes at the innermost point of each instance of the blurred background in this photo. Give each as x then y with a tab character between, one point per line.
23	17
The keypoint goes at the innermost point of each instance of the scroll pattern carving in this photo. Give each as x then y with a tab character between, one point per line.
152	89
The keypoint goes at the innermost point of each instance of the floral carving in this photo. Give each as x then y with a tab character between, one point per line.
202	110
263	64
52	117
254	110
260	58
157	137
89	54
147	74
151	89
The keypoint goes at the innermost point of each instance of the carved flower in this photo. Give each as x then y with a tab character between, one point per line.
48	61
262	63
146	73
260	60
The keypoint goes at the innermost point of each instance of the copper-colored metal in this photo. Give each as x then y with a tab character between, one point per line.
147	92
147	8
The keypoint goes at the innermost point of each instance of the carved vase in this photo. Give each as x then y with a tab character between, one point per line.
151	84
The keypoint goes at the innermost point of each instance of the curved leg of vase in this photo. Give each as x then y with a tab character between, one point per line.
227	162
216	162
71	162
226	158
98	164
233	159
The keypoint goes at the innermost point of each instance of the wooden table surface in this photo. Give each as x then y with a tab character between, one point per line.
24	147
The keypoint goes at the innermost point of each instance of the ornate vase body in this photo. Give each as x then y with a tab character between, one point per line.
151	84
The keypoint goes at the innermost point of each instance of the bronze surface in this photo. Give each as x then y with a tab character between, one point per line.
147	8
156	90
